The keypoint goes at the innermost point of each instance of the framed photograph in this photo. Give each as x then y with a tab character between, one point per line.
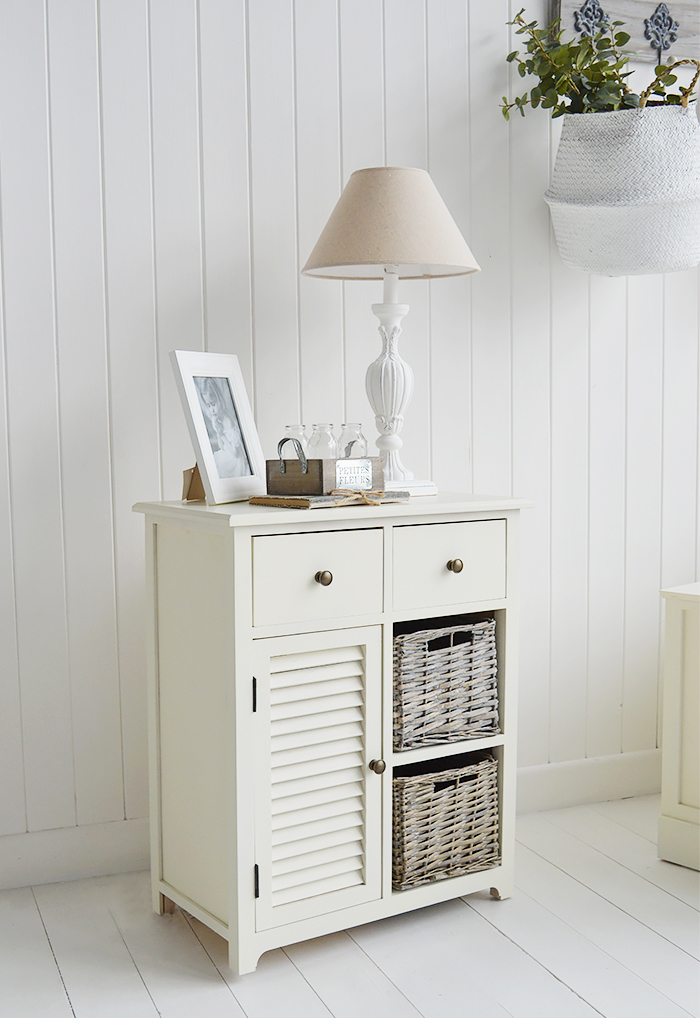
221	425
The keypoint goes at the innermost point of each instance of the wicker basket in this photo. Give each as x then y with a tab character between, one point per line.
445	824
445	685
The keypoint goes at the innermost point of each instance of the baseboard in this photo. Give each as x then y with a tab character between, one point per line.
70	853
576	782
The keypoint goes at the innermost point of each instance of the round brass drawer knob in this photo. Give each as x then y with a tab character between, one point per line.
378	766
455	565
325	578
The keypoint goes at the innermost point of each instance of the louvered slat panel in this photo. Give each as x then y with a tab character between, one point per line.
300	879
316	842
312	659
302	754
323	825
307	722
324	692
312	765
302	801
333	853
321	674
309	738
318	887
347	683
317	706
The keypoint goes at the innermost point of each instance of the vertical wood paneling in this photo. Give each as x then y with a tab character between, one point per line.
126	146
643	509
162	179
681	373
448	155
407	145
569	522
274	229
85	451
33	413
606	497
489	240
530	331
225	184
12	812
362	144
177	206
318	188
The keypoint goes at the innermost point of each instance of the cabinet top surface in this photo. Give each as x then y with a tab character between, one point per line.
242	514
688	592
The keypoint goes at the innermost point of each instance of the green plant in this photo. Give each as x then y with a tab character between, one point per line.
586	75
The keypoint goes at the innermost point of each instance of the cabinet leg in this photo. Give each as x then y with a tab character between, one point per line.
499	893
163	905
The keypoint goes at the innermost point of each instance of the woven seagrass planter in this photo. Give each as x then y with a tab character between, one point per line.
445	823
625	192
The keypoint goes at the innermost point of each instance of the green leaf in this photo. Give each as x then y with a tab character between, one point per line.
512	56
622	38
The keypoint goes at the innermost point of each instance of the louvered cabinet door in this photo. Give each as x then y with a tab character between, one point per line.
318	806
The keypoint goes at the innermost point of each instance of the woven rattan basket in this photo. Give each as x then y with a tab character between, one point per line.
445	685
445	823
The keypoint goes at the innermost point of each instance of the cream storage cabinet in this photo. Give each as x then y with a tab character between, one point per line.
271	704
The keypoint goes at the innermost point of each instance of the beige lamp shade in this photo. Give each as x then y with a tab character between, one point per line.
390	215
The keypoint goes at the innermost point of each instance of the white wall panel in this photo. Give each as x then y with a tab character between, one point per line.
448	155
606	519
643	510
225	181
32	400
165	168
133	388
490	241
83	396
274	217
362	118
569	501
12	813
177	214
319	183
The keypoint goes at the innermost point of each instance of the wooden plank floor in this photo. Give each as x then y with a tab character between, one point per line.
597	926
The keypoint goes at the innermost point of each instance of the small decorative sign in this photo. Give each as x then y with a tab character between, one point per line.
355	474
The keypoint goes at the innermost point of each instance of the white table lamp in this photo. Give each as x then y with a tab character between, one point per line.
390	223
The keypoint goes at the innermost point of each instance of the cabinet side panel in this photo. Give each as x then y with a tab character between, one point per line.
194	617
690	707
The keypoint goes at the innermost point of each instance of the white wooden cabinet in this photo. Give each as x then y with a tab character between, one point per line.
679	823
271	694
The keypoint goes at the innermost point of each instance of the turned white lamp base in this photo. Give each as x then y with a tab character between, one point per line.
389	385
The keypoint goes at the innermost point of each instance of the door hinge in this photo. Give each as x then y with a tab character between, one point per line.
257	881
255	694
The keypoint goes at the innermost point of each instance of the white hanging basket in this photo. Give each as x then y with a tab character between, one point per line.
625	193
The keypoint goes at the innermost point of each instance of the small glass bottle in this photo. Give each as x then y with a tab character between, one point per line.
352	444
297	431
322	444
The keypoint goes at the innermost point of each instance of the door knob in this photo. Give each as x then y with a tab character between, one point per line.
378	766
455	565
325	578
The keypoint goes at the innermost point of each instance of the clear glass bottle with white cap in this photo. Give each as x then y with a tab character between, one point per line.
322	444
352	444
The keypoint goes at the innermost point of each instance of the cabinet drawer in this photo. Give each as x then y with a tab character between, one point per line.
422	578
285	567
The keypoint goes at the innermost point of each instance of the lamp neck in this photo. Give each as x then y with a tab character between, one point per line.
391	285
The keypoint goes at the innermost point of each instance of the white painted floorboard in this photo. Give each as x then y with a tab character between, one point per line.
597	926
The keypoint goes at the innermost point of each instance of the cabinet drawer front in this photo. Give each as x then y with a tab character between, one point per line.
285	566
422	578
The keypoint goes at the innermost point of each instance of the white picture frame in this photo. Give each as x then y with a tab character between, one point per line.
221	425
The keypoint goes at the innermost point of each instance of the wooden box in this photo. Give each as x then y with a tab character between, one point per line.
323	476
